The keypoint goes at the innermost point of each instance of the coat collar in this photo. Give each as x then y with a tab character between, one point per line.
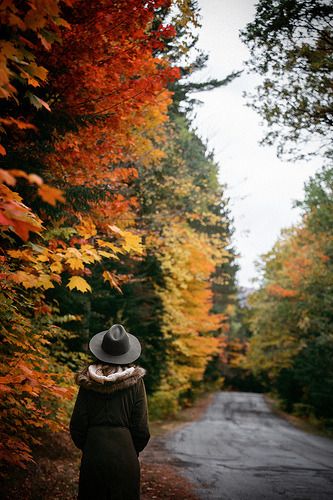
105	378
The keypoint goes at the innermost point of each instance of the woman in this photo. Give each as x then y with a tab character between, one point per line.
110	420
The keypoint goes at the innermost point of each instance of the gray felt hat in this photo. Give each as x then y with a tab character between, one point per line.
115	346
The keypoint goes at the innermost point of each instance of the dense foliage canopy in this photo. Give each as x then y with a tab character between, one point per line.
110	207
292	313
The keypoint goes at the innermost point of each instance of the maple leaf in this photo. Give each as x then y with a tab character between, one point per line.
110	245
108	255
45	282
56	267
28	280
87	228
132	242
79	283
111	279
4	221
21	219
22	255
51	194
22	228
43	258
89	254
74	258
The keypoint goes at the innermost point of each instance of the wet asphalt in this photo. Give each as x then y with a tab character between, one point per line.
240	450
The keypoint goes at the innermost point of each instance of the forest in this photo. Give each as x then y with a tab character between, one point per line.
111	210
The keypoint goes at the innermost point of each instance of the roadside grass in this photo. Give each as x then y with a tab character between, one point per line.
307	423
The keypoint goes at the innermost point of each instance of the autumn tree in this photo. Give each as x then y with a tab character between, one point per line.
85	150
183	202
291	317
165	194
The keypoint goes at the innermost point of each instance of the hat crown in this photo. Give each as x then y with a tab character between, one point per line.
116	341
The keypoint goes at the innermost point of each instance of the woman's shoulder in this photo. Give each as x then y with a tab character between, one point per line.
107	379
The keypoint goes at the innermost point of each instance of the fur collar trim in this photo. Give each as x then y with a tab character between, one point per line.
105	378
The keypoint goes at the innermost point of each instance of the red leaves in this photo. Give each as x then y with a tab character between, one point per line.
16	216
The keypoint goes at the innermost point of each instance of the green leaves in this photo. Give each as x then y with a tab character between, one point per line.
291	314
291	46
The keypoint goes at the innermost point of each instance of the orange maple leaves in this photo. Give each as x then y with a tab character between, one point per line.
16	216
118	88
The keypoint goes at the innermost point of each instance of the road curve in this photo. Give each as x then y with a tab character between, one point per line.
240	450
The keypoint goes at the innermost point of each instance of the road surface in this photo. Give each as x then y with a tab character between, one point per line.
240	450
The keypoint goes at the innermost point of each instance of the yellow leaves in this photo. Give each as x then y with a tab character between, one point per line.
89	254
73	258
186	262
41	267
108	255
87	228
79	283
56	267
132	242
76	258
110	245
44	281
21	254
111	280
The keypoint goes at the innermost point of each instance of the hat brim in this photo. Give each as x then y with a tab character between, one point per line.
95	346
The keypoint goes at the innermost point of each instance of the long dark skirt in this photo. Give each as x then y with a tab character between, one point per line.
110	468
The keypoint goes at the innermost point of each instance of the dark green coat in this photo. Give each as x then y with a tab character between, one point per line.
110	425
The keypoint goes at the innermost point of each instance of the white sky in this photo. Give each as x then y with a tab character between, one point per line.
261	187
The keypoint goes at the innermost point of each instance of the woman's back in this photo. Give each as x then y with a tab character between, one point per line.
110	425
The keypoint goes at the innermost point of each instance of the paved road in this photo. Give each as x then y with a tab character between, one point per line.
240	450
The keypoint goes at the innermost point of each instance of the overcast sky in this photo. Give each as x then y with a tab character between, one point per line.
261	187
